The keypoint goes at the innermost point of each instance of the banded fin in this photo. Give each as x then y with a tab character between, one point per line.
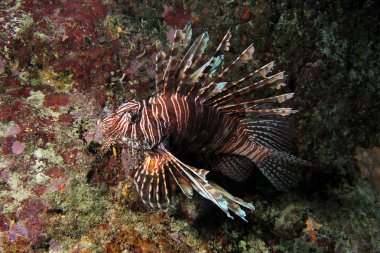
209	68
234	203
217	58
160	64
180	41
190	59
238	168
282	170
162	172
272	133
216	64
275	81
153	181
181	73
243	57
264	112
188	34
245	105
193	78
181	181
218	87
201	73
261	72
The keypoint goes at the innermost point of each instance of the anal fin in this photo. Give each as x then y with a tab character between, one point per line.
237	168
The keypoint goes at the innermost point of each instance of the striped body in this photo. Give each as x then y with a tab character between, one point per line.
202	128
194	111
190	123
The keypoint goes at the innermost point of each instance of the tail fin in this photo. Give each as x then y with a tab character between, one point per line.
284	171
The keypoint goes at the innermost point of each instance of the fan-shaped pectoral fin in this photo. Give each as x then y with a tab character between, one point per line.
154	181
161	173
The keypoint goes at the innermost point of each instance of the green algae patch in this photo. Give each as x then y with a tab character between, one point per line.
39	100
49	154
43	159
76	209
61	81
36	98
16	191
290	221
23	24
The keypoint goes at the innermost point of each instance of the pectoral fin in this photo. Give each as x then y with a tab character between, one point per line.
161	173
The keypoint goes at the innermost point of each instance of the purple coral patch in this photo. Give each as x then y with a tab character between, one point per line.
55	246
4	175
18	147
134	67
17	230
170	35
34	226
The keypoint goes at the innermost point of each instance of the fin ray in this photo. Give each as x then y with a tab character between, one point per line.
238	168
244	57
282	170
150	178
180	41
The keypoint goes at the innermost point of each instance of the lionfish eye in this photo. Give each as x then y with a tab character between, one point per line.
133	117
104	115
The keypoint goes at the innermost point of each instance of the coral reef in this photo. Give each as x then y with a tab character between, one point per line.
63	62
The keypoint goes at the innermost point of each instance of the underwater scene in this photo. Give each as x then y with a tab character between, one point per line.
189	126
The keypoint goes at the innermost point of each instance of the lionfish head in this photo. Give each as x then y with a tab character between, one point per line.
120	123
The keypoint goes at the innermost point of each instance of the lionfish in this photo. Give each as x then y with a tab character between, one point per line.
195	110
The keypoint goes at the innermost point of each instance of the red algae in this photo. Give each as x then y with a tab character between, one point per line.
39	190
35	226
56	100
7	143
30	208
55	172
66	119
69	157
175	16
4	223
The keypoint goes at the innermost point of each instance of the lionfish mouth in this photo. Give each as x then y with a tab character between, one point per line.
128	143
134	144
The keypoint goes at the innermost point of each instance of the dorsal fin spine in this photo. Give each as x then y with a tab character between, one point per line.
249	50
187	61
160	60
276	79
223	45
172	63
263	71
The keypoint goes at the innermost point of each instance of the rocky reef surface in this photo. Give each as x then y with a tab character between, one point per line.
63	62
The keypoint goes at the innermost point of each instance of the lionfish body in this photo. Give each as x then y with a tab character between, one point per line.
195	111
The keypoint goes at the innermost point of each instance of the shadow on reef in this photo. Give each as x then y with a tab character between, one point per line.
105	169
